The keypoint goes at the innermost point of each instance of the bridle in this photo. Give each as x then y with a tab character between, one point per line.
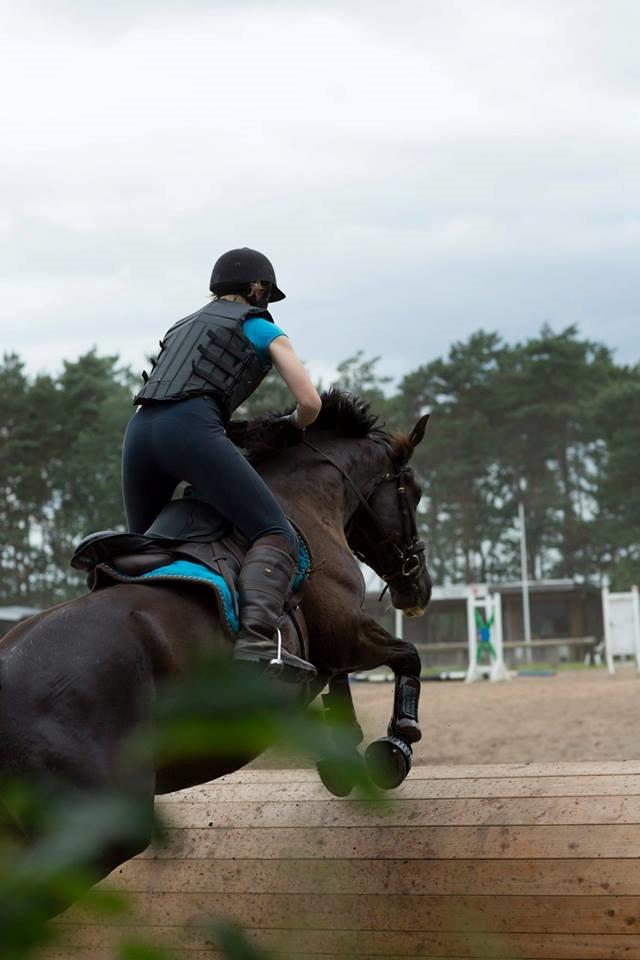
405	559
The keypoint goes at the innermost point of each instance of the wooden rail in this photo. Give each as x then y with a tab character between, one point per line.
517	861
511	644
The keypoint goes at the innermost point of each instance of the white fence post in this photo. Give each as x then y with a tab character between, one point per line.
621	619
635	601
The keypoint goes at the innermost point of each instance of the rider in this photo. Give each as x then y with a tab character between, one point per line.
209	363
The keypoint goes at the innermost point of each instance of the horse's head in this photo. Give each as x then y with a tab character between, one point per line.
383	532
381	526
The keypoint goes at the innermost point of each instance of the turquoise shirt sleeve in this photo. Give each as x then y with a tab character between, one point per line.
261	333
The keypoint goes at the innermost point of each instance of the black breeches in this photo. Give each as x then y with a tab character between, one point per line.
185	440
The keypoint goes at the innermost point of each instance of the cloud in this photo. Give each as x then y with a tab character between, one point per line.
425	169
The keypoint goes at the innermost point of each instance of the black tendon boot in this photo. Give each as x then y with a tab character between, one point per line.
263	586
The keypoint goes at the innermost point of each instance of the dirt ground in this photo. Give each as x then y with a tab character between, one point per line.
574	715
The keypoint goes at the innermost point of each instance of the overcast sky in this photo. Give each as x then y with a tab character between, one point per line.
414	170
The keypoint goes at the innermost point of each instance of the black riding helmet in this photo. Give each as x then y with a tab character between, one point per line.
238	267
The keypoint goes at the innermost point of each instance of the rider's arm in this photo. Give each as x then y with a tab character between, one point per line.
288	365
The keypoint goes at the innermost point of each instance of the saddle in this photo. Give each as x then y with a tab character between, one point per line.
189	542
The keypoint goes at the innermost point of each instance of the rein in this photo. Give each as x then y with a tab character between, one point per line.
408	559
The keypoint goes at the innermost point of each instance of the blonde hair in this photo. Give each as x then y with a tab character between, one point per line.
256	287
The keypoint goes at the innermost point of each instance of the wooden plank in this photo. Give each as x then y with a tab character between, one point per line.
106	953
481	914
550	642
521	861
409	813
448	771
408	877
313	944
437	946
392	843
415	789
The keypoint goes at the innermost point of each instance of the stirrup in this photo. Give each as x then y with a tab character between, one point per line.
276	666
282	666
277	660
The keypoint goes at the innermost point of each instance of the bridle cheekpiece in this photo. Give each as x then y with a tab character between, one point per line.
406	559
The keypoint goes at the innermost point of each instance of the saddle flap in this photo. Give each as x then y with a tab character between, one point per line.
135	564
103	546
189	518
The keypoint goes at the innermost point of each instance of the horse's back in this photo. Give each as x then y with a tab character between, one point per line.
78	678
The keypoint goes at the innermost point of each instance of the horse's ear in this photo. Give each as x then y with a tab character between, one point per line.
417	434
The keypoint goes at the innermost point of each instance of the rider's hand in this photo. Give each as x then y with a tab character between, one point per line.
289	425
293	419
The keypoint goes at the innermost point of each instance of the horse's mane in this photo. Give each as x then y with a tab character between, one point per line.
343	414
347	415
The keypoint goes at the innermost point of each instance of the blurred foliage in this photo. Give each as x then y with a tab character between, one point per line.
52	834
553	421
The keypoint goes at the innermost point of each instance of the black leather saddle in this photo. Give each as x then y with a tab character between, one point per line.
185	529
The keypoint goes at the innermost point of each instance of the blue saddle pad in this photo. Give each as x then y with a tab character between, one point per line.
191	572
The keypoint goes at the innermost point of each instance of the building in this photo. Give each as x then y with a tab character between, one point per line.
566	622
9	616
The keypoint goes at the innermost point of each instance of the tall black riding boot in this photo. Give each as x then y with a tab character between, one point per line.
263	585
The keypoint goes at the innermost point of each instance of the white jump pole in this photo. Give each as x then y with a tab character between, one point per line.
491	604
498	668
472	637
608	655
524	576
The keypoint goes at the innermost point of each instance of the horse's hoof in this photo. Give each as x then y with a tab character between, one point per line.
388	762
337	775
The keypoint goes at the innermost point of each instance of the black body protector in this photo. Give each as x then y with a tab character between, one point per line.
207	353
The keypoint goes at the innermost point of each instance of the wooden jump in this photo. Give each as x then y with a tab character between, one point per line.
535	861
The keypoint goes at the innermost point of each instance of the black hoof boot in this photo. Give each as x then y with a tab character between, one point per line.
404	722
388	762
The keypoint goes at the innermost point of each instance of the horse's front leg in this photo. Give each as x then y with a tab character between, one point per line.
378	648
342	765
389	758
404	718
340	711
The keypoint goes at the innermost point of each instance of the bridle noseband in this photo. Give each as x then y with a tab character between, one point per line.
406	559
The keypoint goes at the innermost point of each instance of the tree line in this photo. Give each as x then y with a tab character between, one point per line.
553	421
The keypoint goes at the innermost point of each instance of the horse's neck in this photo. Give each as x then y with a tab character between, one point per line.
313	499
314	493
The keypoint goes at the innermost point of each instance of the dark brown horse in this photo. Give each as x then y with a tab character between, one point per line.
78	680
